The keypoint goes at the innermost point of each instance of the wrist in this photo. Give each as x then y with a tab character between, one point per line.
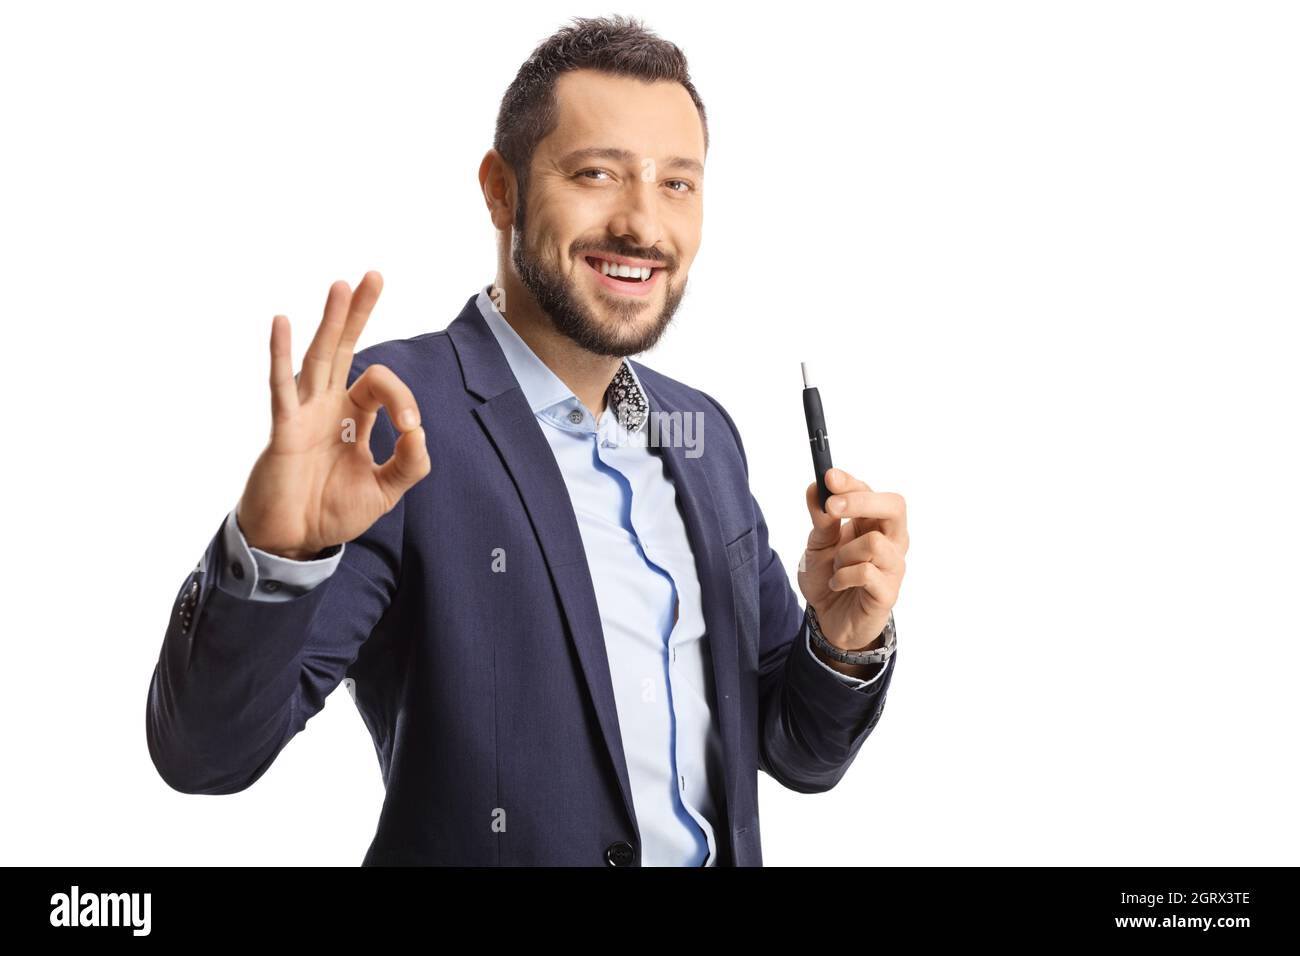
290	553
877	651
860	671
875	625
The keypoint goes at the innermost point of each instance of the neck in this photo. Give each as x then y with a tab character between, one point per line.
588	375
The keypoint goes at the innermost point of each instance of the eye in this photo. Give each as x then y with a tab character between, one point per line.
585	171
690	188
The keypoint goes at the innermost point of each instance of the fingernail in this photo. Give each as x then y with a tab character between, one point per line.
408	418
836	505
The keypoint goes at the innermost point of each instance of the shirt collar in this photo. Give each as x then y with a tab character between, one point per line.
547	395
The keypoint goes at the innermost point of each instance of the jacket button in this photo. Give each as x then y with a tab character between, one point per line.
619	854
237	570
188	604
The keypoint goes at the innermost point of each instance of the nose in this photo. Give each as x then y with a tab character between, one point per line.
636	219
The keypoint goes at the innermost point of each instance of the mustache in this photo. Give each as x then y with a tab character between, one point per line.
650	255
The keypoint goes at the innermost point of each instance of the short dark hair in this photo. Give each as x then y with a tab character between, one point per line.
619	45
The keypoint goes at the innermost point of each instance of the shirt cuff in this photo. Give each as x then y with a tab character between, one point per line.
257	575
855	682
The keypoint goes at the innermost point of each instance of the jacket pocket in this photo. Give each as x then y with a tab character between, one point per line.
742	549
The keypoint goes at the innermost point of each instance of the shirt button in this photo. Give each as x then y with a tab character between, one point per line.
237	570
575	416
270	585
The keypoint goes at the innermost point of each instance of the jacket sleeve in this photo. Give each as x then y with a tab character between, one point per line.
811	722
237	677
262	576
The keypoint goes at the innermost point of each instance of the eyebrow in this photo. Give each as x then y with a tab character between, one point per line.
629	157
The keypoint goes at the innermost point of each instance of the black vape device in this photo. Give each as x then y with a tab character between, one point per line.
818	440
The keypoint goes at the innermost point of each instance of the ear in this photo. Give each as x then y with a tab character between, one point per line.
500	191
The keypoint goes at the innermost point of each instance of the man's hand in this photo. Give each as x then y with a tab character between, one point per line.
852	570
317	484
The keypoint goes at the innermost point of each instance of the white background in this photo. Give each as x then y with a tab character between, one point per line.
1042	258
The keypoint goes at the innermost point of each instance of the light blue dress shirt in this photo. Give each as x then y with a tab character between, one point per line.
643	573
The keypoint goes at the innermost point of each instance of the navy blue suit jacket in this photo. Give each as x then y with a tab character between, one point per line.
488	695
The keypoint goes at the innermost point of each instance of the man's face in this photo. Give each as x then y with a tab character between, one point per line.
621	177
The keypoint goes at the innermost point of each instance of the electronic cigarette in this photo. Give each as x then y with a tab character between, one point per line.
818	440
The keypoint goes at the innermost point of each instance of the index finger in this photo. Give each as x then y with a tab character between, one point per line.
379	386
868	509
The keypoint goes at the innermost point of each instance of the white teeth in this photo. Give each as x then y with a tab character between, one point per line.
627	272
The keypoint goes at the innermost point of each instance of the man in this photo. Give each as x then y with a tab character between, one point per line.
572	644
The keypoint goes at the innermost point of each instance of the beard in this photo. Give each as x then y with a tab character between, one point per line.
561	300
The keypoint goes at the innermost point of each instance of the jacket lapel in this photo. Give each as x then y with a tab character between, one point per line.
510	424
513	430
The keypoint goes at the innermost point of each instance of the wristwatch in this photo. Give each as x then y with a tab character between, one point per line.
878	655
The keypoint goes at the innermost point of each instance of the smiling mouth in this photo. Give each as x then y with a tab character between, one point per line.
632	275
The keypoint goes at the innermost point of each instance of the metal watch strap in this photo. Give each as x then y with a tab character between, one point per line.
879	655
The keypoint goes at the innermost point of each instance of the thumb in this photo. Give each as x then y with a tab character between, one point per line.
826	528
408	463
